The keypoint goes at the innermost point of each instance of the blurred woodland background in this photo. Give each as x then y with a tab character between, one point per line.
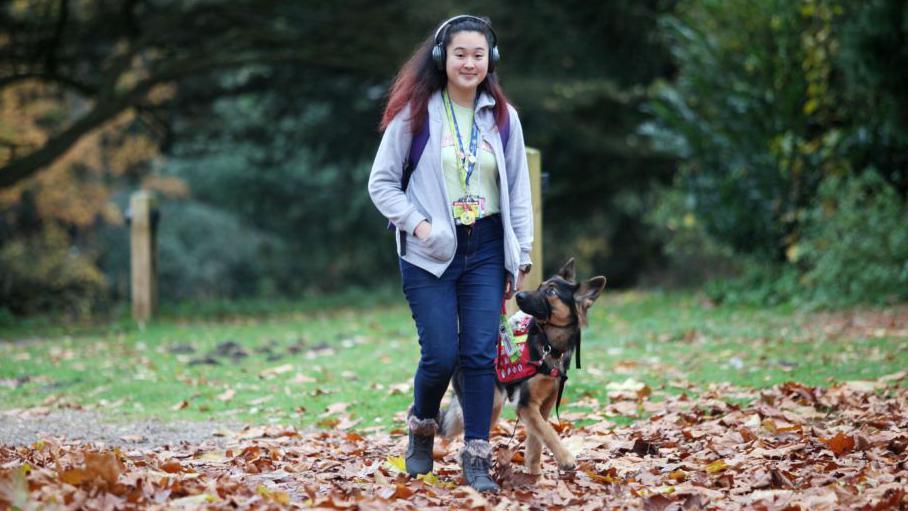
758	149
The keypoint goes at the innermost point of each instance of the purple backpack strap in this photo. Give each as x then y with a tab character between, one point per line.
417	146
504	129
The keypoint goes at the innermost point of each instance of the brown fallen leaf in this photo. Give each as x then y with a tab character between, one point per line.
346	422
399	388
171	467
474	499
780	479
398	491
75	476
657	502
336	408
839	444
104	465
275	371
678	475
642	448
328	422
746	434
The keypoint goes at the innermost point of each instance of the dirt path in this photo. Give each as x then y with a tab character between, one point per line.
19	427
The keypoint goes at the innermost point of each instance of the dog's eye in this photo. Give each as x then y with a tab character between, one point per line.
551	291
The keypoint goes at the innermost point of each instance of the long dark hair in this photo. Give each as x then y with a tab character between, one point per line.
419	78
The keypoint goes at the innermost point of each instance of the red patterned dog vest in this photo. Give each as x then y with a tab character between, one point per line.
513	363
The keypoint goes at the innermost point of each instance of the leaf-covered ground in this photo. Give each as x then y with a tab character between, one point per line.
680	405
794	447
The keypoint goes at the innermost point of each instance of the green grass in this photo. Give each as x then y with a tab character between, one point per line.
364	354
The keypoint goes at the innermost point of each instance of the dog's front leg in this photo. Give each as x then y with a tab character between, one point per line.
537	426
533	459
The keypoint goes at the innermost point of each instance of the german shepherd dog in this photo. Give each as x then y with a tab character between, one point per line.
559	309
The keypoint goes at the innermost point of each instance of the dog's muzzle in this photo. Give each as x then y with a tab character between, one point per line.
534	305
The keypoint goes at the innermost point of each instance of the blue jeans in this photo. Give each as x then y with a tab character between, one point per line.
457	318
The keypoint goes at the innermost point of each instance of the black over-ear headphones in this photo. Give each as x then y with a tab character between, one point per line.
438	51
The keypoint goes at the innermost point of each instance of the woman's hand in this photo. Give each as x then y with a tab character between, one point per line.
422	231
521	275
510	290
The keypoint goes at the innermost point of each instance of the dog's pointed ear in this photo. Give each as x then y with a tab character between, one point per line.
567	271
586	294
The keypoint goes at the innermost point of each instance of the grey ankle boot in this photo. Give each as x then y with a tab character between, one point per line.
419	448
476	459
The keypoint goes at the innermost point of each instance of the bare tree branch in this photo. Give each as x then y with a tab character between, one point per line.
167	40
110	105
70	83
31	163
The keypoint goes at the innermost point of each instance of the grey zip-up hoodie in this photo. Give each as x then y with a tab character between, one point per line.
427	198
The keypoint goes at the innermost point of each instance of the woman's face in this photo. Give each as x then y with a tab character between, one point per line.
467	62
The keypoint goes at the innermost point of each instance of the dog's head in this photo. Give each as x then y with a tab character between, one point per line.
561	300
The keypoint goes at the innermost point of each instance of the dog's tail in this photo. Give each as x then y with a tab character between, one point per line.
450	419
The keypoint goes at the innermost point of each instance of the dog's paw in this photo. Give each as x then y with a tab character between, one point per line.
568	464
534	469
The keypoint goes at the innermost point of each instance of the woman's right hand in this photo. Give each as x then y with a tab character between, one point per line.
422	230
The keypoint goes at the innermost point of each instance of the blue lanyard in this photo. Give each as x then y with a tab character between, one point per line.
465	170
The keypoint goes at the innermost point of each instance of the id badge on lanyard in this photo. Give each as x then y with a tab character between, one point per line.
468	209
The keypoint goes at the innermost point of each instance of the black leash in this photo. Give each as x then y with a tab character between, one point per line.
516	423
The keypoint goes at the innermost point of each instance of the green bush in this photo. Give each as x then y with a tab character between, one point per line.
691	256
46	272
203	252
854	249
856	242
776	110
758	113
316	214
738	93
760	282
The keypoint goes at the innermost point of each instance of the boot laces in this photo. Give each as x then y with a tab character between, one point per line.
479	463
422	443
477	470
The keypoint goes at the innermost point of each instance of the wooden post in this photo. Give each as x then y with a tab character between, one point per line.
534	160
143	257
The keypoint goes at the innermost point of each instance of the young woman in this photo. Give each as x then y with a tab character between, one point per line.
464	225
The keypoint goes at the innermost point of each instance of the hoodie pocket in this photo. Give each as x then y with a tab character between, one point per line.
440	244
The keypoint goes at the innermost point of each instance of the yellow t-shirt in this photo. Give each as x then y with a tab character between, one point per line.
484	180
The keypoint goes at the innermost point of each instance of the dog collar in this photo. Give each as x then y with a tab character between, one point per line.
553	325
546	346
